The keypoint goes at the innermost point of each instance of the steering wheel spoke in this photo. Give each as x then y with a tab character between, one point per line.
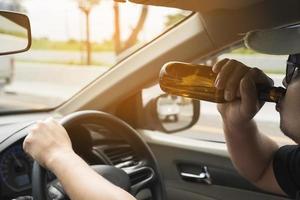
55	193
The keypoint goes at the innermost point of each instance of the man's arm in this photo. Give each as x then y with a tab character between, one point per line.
49	144
81	182
251	152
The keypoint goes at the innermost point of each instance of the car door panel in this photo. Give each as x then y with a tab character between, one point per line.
173	152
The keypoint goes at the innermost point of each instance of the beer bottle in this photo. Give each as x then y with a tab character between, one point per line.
197	82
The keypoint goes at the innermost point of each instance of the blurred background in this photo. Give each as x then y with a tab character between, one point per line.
74	41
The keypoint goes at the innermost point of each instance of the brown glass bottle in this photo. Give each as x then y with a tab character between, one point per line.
197	82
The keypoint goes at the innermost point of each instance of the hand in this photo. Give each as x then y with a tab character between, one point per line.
47	140
239	84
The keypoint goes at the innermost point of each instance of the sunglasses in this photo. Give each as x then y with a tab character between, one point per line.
292	65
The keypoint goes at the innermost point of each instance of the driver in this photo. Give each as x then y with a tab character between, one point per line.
257	157
49	144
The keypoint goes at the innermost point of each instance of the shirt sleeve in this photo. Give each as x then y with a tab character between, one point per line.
286	166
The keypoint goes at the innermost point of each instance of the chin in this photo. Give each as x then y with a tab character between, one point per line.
289	133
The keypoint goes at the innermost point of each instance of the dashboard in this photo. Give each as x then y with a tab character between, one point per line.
15	170
96	144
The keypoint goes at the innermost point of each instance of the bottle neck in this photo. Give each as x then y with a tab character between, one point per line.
270	94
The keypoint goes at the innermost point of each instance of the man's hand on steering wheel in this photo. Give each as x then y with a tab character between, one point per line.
47	140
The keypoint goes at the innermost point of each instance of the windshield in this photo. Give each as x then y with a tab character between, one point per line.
73	43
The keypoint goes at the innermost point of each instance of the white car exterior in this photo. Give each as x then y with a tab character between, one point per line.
6	68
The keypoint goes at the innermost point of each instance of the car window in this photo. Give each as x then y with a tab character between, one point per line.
73	43
209	126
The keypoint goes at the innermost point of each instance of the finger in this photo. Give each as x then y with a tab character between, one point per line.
218	66
34	129
53	125
249	101
36	124
59	126
260	77
41	127
233	83
27	143
224	74
52	121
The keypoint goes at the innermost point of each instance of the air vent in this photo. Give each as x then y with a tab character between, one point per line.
143	174
121	155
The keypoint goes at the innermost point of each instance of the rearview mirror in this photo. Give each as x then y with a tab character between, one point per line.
15	33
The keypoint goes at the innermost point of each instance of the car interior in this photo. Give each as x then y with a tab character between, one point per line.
115	130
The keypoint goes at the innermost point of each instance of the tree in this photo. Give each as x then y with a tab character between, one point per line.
120	46
86	7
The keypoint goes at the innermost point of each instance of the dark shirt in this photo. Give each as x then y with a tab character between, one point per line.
286	165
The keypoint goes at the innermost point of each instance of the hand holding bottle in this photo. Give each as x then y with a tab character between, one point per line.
238	80
241	89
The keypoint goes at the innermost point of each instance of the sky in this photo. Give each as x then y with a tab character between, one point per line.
62	19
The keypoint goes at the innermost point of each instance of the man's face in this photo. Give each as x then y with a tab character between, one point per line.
290	109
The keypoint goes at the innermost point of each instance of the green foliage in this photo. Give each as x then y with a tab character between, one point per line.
244	51
71	45
106	45
63	63
14	33
174	19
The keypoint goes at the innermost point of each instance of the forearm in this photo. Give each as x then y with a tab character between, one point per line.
250	151
81	182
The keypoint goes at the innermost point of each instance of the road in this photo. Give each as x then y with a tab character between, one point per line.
11	43
39	86
107	58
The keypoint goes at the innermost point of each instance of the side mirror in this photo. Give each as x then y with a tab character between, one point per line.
15	33
172	113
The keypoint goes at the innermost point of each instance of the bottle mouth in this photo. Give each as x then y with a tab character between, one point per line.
276	94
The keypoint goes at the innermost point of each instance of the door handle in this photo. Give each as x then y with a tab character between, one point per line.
203	177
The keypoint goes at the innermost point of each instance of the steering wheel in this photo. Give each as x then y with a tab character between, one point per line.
117	176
